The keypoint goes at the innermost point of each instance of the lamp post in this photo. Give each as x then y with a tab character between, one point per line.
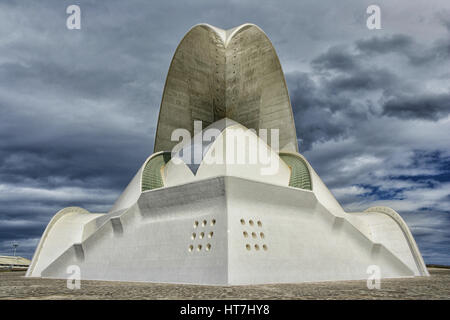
14	245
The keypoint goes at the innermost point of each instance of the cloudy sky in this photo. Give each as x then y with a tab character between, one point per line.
78	108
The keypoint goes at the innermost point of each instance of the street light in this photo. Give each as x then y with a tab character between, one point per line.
14	245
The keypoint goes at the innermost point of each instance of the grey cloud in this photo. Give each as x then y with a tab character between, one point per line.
429	107
313	112
380	45
341	69
346	87
405	46
67	81
363	79
336	58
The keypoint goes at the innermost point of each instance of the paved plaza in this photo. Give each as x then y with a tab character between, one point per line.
13	285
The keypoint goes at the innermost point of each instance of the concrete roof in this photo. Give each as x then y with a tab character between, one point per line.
8	260
234	74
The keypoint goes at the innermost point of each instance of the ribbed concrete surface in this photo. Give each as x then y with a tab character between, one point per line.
209	80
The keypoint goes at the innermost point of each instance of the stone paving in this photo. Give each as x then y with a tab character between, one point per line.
13	285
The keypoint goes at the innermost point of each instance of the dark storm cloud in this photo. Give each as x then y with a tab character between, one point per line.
349	83
399	43
447	24
426	226
57	153
361	80
88	83
311	107
432	107
343	70
405	46
325	100
336	58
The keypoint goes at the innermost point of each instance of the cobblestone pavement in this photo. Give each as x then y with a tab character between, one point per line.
13	285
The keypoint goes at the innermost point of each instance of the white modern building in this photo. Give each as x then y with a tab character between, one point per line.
246	210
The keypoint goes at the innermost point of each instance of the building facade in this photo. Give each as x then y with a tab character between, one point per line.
233	203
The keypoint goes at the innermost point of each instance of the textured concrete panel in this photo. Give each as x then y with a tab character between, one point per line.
195	85
237	75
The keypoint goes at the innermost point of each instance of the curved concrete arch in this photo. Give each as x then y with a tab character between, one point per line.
257	94
133	190
216	74
406	232
231	32
192	90
33	270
